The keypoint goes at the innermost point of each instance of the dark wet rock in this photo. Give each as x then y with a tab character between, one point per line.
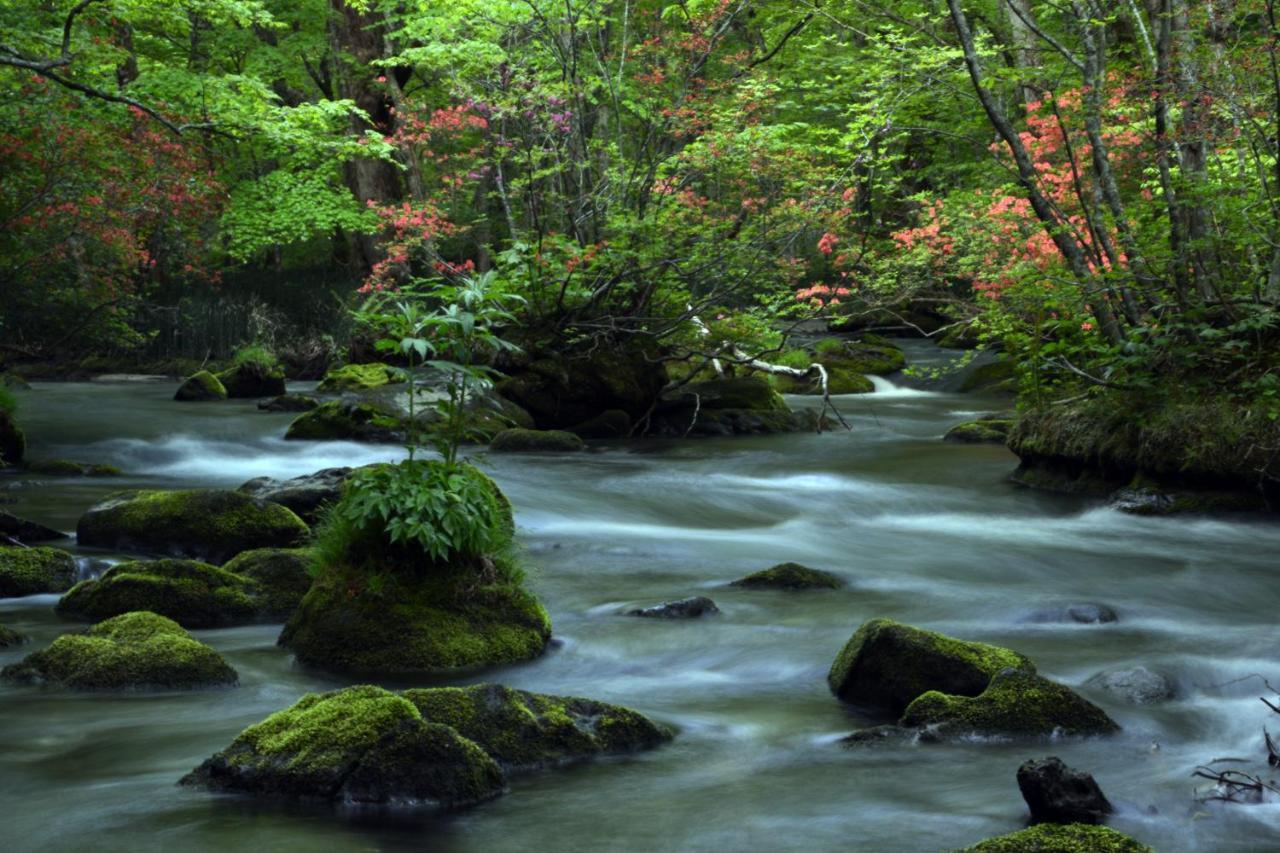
360	377
205	524
13	381
720	407
685	608
1084	614
1136	685
1059	838
282	576
1016	703
67	468
535	440
993	430
1058	794
10	638
885	735
360	745
307	495
25	531
193	594
31	571
888	665
253	379
13	444
201	387
130	651
564	391
612	423
523	730
1145	498
289	403
792	576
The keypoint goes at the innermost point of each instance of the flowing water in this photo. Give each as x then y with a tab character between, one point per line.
926	532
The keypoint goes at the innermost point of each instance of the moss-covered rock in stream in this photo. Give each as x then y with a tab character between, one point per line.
345	420
357	745
205	524
997	375
133	650
200	387
1016	703
1061	838
360	377
887	664
562	391
840	380
289	403
732	406
252	379
989	430
13	444
523	730
535	441
67	468
878	357
282	576
31	571
10	637
194	594
792	576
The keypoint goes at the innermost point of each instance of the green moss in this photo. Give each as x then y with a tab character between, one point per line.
200	387
67	468
1015	703
985	431
194	594
30	571
360	377
750	393
532	440
1059	838
345	421
839	381
10	637
996	375
523	730
888	664
132	650
208	524
281	576
789	576
13	443
361	744
859	357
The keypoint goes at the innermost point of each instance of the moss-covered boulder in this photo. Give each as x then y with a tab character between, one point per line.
344	420
133	650
611	423
282	576
878	357
289	403
887	665
360	377
523	730
792	576
252	379
993	430
732	406
194	594
357	745
563	390
13	444
839	381
402	624
1016	703
1060	838
205	524
993	376
10	637
31	571
68	468
200	387
536	441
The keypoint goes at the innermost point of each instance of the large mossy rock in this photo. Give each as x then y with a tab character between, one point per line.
133	650
200	387
25	531
1016	703
205	524
567	391
839	381
31	571
1059	838
887	665
733	406
523	730
878	356
282	576
253	379
307	496
789	576
536	441
346	420
357	745
359	377
196	595
13	444
402	624
992	430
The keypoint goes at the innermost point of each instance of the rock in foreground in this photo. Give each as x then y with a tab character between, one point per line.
31	571
791	576
204	524
1058	794
134	650
1055	838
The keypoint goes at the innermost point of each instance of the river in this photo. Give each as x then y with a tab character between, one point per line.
926	532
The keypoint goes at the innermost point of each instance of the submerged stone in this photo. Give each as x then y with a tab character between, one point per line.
194	594
1137	685
360	377
133	650
792	576
887	664
200	387
206	524
1055	792
1016	703
533	440
31	571
685	608
1058	838
1084	614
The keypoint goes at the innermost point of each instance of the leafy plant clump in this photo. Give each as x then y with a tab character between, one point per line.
257	355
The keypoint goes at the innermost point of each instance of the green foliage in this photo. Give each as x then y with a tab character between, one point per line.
257	355
8	402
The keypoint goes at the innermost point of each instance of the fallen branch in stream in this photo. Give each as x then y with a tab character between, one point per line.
798	373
